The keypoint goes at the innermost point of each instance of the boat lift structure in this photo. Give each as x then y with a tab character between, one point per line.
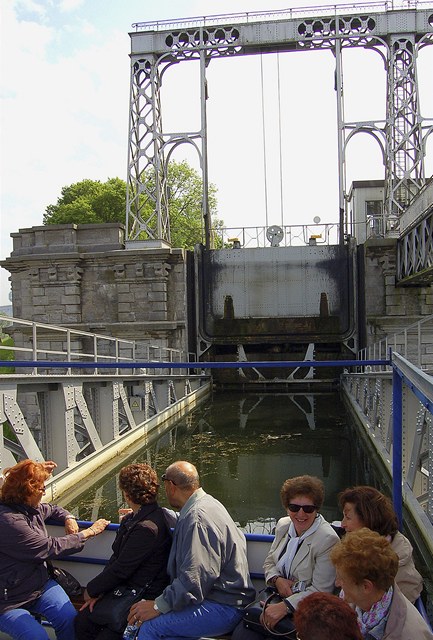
396	32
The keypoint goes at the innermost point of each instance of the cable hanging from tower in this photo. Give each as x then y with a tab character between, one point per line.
264	140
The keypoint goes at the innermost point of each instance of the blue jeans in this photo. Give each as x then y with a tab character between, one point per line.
53	604
206	619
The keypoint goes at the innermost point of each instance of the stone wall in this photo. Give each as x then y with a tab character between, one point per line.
83	276
388	307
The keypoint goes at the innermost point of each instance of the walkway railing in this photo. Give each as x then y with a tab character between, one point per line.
415	343
52	343
275	235
278	14
394	410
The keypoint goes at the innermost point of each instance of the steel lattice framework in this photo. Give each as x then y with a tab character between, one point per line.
415	252
396	34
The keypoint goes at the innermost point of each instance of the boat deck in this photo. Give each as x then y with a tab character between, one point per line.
50	634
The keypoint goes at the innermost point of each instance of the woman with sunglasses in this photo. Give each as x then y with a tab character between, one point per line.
25	586
298	561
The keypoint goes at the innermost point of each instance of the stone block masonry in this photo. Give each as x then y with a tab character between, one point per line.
84	277
389	307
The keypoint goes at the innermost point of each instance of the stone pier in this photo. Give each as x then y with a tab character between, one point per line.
86	277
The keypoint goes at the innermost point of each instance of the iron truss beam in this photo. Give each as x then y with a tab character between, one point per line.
415	252
397	35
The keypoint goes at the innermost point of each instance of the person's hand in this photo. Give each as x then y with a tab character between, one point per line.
49	465
142	611
89	601
284	586
123	513
71	526
97	527
273	614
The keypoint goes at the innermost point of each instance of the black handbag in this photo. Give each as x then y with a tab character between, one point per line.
252	612
113	608
65	579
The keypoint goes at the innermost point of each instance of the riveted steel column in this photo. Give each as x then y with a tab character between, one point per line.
405	158
340	141
147	202
107	412
203	98
11	412
58	422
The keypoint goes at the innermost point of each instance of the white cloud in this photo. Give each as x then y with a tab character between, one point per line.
70	5
64	119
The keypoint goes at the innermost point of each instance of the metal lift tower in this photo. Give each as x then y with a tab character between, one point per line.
396	34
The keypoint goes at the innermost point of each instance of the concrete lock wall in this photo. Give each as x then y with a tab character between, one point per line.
82	276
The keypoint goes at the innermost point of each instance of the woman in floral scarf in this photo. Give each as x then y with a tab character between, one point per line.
366	567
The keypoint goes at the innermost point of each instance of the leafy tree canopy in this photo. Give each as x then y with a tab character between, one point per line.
92	201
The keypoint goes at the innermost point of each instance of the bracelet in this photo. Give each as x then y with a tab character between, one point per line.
70	517
93	531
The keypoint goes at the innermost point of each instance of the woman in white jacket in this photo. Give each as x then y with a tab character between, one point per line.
298	561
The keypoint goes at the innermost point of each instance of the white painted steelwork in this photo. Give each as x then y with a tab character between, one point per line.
72	345
369	395
414	342
415	246
70	416
80	416
293	235
396	32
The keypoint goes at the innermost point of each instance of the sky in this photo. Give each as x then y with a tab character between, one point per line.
64	89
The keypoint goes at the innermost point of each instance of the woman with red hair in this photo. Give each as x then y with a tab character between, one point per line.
25	586
323	616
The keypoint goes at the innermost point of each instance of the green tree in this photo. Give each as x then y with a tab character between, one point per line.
89	201
92	201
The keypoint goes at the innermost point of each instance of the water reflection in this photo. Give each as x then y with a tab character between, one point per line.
245	446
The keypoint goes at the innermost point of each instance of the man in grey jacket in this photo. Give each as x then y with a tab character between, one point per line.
208	569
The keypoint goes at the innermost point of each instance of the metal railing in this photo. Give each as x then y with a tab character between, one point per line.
395	410
415	343
63	344
275	235
278	14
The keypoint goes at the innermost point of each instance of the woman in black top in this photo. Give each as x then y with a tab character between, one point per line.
140	552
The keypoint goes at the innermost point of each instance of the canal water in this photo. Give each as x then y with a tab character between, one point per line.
244	446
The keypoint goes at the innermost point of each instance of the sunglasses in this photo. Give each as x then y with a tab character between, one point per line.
164	477
306	508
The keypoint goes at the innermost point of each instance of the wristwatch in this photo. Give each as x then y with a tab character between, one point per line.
155	606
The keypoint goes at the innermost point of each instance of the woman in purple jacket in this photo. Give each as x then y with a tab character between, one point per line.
25	586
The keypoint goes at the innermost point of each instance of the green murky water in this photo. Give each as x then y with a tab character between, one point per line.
245	445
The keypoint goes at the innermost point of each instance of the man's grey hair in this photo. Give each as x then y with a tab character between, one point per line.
184	478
